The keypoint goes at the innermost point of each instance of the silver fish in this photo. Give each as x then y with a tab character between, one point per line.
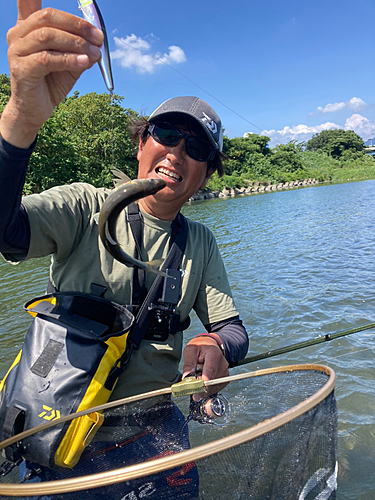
119	198
92	14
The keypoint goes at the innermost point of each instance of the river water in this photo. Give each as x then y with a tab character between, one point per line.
301	265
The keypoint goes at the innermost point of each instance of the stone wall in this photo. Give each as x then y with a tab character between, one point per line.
253	187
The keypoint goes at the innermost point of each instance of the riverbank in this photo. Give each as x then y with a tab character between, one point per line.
252	188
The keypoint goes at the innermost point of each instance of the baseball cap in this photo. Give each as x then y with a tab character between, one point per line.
197	109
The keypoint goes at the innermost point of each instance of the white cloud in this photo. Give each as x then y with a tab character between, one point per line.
176	55
331	108
355	103
297	133
360	124
135	52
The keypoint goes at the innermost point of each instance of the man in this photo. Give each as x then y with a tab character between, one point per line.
181	143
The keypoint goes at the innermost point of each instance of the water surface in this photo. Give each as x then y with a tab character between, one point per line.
301	264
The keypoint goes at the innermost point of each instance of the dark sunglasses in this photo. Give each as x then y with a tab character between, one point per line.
169	135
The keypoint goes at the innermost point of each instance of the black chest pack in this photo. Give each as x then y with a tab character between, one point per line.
74	352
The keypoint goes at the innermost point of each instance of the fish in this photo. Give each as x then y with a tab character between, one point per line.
92	14
120	198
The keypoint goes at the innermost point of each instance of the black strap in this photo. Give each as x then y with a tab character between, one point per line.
146	311
13	424
139	276
173	261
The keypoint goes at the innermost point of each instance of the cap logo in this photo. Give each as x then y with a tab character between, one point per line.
209	123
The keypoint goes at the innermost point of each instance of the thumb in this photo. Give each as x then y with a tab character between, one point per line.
27	7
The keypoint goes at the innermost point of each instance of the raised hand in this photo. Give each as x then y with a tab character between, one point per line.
48	51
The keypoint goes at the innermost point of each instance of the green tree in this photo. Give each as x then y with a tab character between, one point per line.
4	90
335	142
83	140
244	153
287	157
54	161
99	131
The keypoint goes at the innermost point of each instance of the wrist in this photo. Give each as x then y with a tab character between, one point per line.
216	338
15	129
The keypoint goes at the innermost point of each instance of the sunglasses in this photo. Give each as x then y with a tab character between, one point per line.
168	135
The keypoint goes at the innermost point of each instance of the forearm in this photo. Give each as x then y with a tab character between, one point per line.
233	336
14	226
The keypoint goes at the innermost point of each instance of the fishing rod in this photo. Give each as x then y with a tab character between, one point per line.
302	345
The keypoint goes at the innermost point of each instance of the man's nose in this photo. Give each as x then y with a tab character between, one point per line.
178	151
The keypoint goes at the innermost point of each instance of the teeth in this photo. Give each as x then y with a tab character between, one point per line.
167	172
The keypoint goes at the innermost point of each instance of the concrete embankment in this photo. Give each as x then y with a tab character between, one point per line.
252	188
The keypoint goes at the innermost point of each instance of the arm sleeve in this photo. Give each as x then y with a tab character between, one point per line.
14	224
234	337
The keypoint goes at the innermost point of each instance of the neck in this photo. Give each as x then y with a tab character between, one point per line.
158	210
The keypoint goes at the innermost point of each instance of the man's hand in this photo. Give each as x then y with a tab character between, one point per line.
205	351
48	51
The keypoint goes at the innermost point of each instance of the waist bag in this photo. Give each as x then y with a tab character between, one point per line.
70	361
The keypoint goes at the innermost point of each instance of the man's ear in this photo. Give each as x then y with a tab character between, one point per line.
140	149
205	180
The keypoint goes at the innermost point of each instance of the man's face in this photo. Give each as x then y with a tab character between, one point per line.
183	175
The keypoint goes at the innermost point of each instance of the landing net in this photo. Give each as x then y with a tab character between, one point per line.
278	442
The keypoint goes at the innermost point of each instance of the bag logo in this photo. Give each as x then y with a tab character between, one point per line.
209	123
49	413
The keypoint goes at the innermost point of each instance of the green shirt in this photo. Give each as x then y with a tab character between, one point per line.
63	224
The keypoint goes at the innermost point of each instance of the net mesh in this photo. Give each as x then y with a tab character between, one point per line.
295	459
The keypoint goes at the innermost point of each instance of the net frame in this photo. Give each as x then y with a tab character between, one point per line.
158	465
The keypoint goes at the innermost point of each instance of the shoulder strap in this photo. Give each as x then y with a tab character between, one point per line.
134	218
173	261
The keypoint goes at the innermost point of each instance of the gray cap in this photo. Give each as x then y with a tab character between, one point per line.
197	109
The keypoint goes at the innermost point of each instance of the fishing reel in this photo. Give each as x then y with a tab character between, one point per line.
213	409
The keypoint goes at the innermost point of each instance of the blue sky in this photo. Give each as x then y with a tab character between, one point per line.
286	69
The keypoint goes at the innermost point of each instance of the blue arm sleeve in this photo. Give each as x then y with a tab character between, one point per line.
14	223
234	337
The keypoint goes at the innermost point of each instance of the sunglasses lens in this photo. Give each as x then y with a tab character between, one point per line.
168	135
165	134
198	149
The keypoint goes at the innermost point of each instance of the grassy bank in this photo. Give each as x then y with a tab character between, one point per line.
315	165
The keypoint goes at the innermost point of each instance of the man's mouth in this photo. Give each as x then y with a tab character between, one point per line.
165	172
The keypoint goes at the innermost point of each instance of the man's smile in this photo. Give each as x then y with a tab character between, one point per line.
165	172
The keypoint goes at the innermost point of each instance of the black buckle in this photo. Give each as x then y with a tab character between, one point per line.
7	467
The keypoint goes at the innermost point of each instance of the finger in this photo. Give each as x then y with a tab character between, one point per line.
214	364
50	62
57	19
27	7
190	359
50	39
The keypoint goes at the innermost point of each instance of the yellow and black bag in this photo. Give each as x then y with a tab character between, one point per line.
70	361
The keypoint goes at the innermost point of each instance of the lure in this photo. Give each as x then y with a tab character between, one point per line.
92	14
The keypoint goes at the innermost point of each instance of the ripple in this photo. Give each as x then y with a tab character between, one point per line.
302	264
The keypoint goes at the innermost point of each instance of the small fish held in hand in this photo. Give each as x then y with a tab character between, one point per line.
120	198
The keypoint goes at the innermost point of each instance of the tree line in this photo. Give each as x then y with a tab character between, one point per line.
88	135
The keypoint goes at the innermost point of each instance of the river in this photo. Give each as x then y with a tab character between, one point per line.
301	265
